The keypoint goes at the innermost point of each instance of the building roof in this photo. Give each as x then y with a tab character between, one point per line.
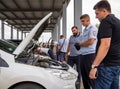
25	14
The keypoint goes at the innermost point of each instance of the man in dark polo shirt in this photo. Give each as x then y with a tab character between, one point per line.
107	62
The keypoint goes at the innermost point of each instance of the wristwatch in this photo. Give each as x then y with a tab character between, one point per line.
93	66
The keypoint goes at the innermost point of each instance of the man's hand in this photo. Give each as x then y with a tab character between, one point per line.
93	73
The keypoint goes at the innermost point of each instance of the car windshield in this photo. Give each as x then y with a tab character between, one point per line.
10	47
6	46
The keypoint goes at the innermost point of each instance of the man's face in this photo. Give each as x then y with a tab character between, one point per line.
100	14
84	22
75	31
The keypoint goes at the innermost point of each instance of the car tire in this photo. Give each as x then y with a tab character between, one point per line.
28	86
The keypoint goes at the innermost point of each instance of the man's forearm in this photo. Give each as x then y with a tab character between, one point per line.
102	51
88	42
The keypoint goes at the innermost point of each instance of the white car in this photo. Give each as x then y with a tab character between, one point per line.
18	75
22	76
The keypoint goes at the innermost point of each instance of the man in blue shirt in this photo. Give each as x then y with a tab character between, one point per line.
88	48
74	54
107	60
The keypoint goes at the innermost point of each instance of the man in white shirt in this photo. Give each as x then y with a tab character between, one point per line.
62	47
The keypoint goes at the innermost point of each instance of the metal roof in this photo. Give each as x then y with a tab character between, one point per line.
24	14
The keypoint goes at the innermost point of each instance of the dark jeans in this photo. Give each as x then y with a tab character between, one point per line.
61	56
51	54
75	60
85	63
108	78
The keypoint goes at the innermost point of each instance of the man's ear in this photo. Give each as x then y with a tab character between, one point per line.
104	10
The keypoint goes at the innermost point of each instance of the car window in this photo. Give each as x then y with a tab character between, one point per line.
3	63
10	47
6	46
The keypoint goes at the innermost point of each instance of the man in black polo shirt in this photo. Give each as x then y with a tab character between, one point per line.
106	66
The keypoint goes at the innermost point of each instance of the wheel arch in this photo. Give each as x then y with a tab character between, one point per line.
11	87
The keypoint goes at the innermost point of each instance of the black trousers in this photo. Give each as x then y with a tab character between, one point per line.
51	54
75	60
85	65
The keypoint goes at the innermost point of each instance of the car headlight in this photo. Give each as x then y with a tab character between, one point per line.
63	74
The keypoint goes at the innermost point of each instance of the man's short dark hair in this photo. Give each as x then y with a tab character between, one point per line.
61	36
103	4
84	16
74	27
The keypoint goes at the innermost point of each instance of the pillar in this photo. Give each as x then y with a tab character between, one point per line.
77	13
11	32
22	35
17	34
59	27
64	28
2	29
54	33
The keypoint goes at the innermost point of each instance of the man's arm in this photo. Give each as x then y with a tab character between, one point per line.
68	49
102	52
88	42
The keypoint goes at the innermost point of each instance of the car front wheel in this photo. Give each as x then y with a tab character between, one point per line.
28	86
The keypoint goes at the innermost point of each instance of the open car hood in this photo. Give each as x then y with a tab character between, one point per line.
29	37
